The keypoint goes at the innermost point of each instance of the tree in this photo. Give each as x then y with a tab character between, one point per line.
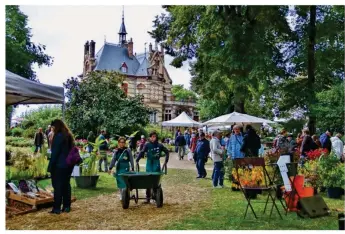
236	47
329	107
97	101
21	53
40	118
180	93
317	61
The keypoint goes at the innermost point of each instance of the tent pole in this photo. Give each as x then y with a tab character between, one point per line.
63	111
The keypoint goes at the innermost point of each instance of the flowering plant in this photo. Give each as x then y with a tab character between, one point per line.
316	154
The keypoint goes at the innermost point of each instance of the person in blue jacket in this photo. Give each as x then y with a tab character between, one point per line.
325	140
235	143
62	143
202	151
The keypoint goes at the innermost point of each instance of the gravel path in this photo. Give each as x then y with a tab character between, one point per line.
175	163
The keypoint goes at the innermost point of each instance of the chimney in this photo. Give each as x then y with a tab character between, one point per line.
86	48
92	49
150	48
130	48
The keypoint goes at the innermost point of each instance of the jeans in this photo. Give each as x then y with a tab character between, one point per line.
181	151
218	174
38	147
104	158
89	149
200	166
62	187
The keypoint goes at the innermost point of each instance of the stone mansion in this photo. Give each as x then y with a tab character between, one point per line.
145	73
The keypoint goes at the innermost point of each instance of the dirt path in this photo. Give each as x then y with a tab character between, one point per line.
183	196
174	162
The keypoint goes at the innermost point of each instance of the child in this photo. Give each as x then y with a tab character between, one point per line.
122	157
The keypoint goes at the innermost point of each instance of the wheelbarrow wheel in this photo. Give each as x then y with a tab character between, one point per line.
159	197
125	198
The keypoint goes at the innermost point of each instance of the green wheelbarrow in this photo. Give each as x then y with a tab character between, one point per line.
143	180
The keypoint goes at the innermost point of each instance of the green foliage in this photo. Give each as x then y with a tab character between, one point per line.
97	102
88	165
40	118
182	94
19	142
165	133
27	165
329	108
17	132
21	52
331	171
237	48
29	133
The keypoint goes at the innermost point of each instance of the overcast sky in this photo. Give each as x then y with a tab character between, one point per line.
65	29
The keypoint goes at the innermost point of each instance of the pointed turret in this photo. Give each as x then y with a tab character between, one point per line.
122	31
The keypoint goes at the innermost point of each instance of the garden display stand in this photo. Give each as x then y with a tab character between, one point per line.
267	187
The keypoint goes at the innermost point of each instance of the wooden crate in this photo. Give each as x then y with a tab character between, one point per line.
34	202
46	198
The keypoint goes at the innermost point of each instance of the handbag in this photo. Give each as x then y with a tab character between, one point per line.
190	156
73	157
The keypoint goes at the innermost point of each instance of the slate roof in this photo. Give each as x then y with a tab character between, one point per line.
111	56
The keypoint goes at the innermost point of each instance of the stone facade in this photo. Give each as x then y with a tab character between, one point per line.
146	75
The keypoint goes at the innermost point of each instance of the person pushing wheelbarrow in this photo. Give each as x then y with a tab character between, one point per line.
122	160
153	149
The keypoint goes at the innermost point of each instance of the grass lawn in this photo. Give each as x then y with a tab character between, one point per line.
227	208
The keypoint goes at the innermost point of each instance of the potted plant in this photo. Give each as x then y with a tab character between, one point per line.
89	177
332	175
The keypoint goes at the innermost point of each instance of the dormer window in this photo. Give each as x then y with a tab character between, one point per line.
124	68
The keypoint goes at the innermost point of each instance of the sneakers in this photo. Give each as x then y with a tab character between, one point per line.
219	186
199	177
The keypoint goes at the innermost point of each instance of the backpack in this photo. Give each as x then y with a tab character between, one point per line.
73	157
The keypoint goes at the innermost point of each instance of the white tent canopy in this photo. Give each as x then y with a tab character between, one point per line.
24	91
183	120
236	118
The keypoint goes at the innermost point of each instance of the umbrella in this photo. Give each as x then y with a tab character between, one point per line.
234	118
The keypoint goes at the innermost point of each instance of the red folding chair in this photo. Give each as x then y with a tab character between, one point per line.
249	164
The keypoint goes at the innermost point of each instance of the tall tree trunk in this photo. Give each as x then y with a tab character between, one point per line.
311	66
239	106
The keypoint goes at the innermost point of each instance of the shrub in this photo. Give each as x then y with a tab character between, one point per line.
17	132
29	133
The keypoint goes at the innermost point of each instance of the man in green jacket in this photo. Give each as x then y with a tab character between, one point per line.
154	151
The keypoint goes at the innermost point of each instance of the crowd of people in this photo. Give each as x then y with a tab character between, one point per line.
220	147
304	143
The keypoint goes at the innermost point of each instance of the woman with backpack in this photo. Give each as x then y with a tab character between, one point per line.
122	157
60	171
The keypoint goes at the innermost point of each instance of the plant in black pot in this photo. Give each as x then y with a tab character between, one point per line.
89	177
332	175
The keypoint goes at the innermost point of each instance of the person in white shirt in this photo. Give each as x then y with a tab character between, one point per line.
337	145
217	152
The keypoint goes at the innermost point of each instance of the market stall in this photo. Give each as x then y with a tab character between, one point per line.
24	91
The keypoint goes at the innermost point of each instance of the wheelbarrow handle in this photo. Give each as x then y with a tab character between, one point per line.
165	168
137	167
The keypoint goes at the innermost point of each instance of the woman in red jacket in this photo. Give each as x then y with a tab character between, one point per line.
193	143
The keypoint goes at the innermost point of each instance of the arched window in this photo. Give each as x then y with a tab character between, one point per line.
125	88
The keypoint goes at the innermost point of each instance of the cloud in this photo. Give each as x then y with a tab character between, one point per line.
65	29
